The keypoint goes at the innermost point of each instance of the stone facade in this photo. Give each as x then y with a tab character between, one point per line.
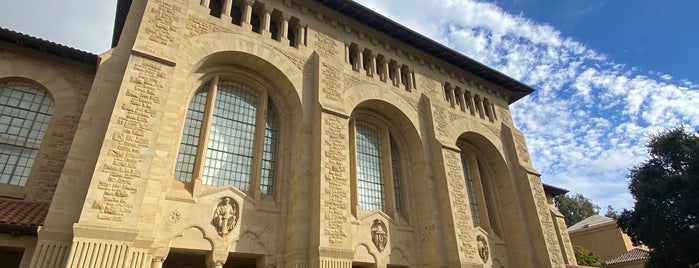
111	175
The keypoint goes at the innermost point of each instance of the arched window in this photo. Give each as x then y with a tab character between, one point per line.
479	190
230	138
25	112
378	168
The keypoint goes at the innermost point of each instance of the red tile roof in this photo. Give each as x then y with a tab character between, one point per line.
18	216
632	255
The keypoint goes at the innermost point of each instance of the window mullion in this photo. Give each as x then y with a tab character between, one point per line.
387	178
478	191
204	134
258	146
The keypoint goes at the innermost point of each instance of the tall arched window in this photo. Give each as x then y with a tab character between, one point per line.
479	190
378	169
25	112
230	138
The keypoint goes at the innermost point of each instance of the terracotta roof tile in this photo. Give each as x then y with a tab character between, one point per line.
22	215
632	255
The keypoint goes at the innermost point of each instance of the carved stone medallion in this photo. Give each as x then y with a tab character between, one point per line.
379	234
225	216
483	250
174	217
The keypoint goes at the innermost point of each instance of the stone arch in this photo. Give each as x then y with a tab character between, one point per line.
192	237
467	125
225	52
498	175
398	257
407	138
353	97
63	94
250	243
362	253
244	51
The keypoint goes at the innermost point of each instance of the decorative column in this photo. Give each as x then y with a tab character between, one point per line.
480	108
302	36
247	15
265	28
157	262
285	29
462	100
360	60
399	75
347	53
205	3
471	103
385	70
227	5
373	65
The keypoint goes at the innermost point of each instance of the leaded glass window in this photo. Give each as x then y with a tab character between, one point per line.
369	168
239	148
478	187
378	169
25	112
469	189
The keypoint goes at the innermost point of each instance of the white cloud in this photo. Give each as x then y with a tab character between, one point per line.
589	120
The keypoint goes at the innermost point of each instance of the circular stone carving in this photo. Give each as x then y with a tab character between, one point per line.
483	250
174	217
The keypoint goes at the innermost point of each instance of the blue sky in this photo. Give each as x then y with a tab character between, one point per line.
608	73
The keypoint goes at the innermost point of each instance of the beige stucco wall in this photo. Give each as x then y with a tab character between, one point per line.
606	241
117	203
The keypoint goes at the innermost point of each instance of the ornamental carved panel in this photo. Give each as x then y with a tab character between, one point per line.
225	216
379	234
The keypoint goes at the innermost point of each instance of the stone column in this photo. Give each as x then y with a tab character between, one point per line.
227	5
347	53
480	107
247	15
302	36
205	3
385	70
462	100
398	76
471	103
157	262
373	65
285	29
266	23
360	60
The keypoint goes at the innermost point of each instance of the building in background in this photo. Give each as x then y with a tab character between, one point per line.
241	133
604	238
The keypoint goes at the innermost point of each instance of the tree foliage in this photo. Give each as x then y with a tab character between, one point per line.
575	208
665	187
586	257
612	213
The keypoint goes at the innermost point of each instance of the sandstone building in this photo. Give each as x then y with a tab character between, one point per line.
264	133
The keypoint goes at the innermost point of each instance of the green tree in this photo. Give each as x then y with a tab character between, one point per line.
586	257
575	208
612	213
665	216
